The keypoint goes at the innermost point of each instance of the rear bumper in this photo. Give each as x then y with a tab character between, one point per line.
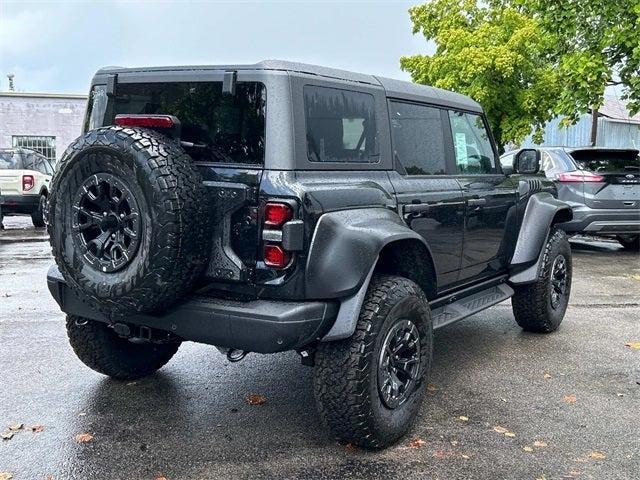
261	326
19	203
603	221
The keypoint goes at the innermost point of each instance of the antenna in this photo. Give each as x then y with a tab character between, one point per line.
11	86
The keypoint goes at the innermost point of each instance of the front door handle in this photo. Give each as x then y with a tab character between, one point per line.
416	207
476	202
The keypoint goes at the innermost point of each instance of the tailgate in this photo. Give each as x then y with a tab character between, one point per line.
10	182
617	181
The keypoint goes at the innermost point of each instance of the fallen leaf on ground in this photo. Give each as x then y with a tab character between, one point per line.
160	478
569	399
597	455
7	435
256	399
432	387
454	443
6	475
463	418
466	457
547	376
541	477
443	453
574	473
16	426
83	437
510	434
36	428
500	430
539	444
634	345
527	448
350	446
417	443
82	414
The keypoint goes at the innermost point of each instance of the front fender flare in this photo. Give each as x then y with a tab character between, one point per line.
542	211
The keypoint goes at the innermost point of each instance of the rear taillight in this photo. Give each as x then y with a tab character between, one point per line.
28	182
276	214
275	256
146	121
572	177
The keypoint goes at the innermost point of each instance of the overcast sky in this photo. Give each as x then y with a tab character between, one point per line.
57	45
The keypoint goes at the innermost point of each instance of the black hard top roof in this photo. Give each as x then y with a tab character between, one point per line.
394	88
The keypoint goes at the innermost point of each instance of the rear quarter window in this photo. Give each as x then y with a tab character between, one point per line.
10	161
340	125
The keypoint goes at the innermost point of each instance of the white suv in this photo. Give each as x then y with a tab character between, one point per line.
24	182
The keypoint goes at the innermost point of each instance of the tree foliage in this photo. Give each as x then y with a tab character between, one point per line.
596	43
494	54
526	61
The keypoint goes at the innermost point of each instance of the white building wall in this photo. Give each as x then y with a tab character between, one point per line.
50	115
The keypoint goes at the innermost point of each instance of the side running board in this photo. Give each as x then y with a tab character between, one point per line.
470	304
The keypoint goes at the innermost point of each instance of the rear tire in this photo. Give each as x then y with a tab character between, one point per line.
540	307
631	242
101	349
354	378
37	217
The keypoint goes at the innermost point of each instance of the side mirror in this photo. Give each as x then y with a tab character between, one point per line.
527	161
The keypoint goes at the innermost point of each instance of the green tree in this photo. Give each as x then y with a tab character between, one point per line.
493	53
596	44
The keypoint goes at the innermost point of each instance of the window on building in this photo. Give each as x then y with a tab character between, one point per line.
418	139
474	154
43	145
341	125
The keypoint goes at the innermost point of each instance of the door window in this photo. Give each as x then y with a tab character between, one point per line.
418	138
341	125
472	146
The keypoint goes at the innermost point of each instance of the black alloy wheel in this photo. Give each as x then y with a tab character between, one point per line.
399	364
558	282
106	222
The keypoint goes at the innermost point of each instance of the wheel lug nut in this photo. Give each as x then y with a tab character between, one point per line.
122	215
104	214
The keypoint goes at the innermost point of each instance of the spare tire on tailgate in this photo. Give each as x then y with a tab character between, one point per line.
127	219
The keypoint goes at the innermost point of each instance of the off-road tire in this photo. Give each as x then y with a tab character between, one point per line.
532	303
631	243
345	375
37	217
101	349
173	243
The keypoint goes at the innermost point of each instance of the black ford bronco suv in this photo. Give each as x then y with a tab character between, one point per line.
280	206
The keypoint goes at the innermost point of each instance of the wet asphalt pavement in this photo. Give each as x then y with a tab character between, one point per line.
569	402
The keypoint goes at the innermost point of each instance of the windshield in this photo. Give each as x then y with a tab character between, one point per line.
223	128
607	161
9	161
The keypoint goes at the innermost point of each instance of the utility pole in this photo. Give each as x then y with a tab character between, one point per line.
594	126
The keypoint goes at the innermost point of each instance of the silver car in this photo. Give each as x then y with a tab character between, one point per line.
602	185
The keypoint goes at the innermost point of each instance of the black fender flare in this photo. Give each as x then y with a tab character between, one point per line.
345	248
543	210
343	255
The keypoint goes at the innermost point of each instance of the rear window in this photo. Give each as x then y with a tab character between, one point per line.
9	161
223	128
603	161
341	125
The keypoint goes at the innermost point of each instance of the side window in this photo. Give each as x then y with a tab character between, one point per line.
341	125
418	138
474	154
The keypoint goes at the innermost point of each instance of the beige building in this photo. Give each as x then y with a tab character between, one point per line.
45	122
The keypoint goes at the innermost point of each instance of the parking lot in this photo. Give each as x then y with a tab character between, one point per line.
501	403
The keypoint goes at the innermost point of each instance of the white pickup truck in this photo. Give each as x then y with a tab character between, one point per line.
25	176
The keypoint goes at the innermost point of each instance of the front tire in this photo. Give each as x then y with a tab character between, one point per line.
37	217
101	349
540	307
369	387
630	242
